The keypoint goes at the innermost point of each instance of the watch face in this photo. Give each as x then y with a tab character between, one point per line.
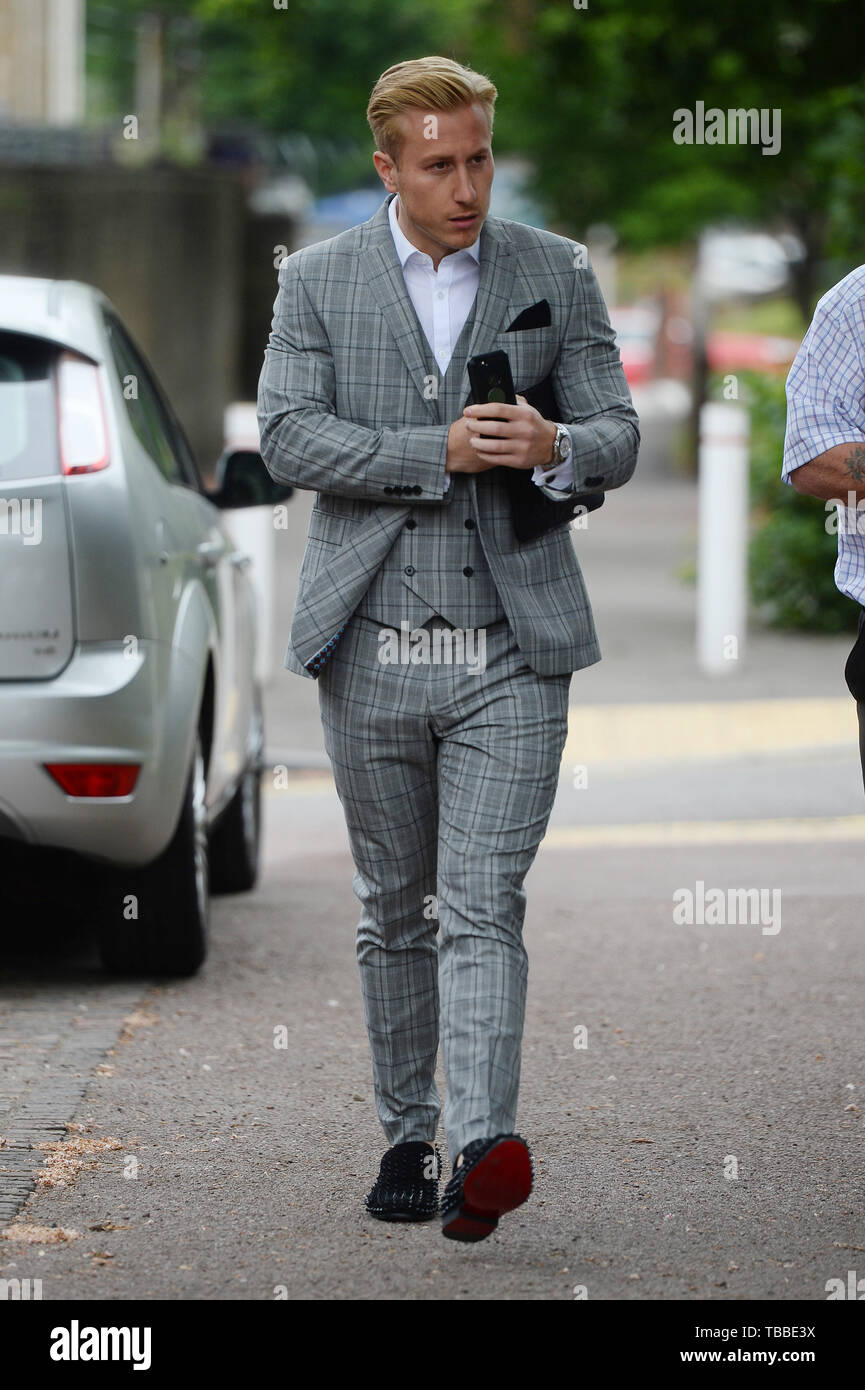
563	445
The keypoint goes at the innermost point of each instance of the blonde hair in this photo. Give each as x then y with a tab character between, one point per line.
423	84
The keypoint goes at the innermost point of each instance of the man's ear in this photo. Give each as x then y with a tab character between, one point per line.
385	169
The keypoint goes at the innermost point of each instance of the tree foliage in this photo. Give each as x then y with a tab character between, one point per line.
588	95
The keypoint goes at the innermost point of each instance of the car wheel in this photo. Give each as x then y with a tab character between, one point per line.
235	839
154	920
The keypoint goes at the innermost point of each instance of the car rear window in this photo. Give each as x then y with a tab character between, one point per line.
28	417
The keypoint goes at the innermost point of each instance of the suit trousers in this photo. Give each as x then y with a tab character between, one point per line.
447	774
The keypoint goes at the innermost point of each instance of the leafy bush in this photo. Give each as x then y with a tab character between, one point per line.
791	560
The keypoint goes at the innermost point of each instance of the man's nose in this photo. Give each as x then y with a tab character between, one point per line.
465	192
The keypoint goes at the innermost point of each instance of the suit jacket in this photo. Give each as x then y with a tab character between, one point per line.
346	408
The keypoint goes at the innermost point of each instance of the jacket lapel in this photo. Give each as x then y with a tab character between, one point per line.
379	264
495	286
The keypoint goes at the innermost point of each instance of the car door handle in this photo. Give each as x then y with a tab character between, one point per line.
240	559
208	553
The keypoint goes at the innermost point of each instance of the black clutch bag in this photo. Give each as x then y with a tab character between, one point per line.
532	511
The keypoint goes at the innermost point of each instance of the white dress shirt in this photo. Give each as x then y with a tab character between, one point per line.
442	300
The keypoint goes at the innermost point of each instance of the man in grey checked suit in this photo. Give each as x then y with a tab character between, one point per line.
446	769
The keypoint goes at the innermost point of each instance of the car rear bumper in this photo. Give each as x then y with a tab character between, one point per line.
109	704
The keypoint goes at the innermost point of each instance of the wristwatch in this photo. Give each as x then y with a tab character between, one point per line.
561	447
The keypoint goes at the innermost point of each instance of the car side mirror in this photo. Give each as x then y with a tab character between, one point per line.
242	480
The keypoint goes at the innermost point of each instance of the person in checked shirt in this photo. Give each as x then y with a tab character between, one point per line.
824	448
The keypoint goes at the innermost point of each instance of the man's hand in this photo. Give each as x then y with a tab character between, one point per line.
462	457
521	438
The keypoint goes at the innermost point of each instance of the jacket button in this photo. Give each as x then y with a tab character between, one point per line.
417	489
409	569
469	524
468	571
389	491
410	525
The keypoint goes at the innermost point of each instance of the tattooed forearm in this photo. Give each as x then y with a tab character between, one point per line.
834	475
855	463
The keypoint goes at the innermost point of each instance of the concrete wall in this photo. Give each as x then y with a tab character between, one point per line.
260	290
170	248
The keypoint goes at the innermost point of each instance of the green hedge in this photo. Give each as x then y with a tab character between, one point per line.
791	560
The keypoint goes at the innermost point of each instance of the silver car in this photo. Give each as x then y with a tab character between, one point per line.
131	730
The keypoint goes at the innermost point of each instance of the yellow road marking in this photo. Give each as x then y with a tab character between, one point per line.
707	729
298	784
684	732
723	832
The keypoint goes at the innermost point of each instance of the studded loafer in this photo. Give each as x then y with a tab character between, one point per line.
494	1177
407	1186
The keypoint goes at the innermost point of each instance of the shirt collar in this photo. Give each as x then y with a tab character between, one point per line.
404	247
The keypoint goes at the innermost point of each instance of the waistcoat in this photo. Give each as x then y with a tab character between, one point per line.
437	563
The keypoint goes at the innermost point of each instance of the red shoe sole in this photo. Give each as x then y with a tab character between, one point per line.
499	1183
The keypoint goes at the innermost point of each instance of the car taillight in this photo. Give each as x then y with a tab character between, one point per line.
81	416
95	779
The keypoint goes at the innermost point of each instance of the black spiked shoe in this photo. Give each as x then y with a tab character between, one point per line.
407	1186
494	1177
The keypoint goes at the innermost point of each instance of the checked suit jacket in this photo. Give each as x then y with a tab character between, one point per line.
352	405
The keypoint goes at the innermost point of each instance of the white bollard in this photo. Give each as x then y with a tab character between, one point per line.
722	554
253	533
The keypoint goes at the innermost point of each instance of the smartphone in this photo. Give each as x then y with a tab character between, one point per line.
491	380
